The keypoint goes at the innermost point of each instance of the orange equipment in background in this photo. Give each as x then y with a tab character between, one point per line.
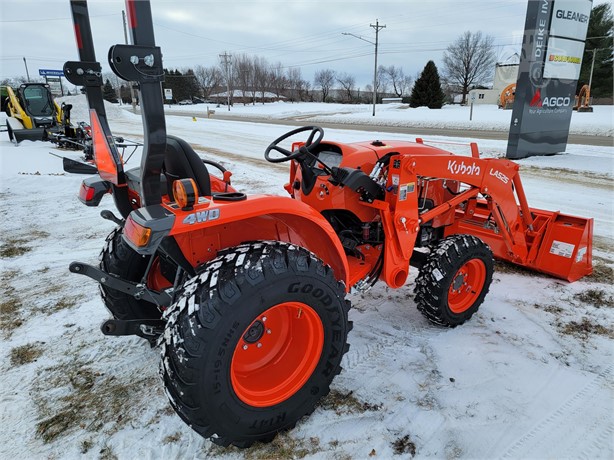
506	99
583	100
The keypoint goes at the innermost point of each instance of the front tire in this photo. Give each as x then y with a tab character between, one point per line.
454	280
253	342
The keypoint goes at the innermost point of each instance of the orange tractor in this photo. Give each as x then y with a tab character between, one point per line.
246	294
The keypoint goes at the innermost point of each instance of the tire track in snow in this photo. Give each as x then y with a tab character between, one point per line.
362	356
573	408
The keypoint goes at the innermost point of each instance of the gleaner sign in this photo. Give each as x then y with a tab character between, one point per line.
550	62
571	15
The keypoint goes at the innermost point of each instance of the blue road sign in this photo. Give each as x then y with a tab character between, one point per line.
51	73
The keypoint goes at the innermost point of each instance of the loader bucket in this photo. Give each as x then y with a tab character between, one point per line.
565	250
34	134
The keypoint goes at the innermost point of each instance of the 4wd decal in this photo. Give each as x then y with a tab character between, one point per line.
202	216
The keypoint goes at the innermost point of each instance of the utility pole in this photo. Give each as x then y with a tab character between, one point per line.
26	64
226	60
377	28
132	96
594	50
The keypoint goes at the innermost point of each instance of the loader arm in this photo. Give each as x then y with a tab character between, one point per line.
493	207
16	110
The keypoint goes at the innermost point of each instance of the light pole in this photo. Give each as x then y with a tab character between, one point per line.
26	64
588	108
590	79
377	28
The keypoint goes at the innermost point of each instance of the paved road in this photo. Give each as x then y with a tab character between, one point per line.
474	134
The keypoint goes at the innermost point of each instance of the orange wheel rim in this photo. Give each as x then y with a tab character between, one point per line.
155	278
466	285
277	354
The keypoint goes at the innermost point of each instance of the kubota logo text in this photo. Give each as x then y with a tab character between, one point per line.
461	168
550	102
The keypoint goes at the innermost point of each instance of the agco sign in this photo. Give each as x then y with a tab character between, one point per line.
549	102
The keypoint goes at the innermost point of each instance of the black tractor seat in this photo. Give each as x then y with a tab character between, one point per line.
180	162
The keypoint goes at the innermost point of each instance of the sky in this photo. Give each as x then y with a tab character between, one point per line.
303	33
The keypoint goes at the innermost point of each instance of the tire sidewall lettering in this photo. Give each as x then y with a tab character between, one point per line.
307	288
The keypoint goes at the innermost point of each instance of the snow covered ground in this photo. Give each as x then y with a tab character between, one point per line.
485	117
530	376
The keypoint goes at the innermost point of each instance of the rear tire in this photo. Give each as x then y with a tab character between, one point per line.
253	342
119	259
454	280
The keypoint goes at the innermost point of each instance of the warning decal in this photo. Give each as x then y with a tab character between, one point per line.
560	248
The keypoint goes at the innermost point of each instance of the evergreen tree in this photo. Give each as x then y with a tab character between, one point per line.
427	89
108	93
600	26
184	85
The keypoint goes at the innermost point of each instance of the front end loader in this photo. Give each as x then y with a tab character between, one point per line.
245	295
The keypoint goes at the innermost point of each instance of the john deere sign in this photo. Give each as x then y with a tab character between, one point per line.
550	63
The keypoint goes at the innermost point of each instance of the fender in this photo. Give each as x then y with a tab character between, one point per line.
212	225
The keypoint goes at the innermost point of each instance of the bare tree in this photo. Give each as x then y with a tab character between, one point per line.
397	78
243	69
263	77
469	61
381	84
324	79
280	82
296	83
208	78
347	83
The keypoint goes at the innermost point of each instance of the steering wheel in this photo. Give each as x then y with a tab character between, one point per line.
288	155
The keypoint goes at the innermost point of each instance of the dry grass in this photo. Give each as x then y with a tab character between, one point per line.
16	246
13	248
10	315
596	297
404	445
25	354
86	445
584	329
554	309
346	403
283	447
602	273
173	438
89	401
65	302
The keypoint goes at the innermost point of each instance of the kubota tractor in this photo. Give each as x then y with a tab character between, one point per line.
245	295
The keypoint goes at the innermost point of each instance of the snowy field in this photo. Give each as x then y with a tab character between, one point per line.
485	117
530	376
